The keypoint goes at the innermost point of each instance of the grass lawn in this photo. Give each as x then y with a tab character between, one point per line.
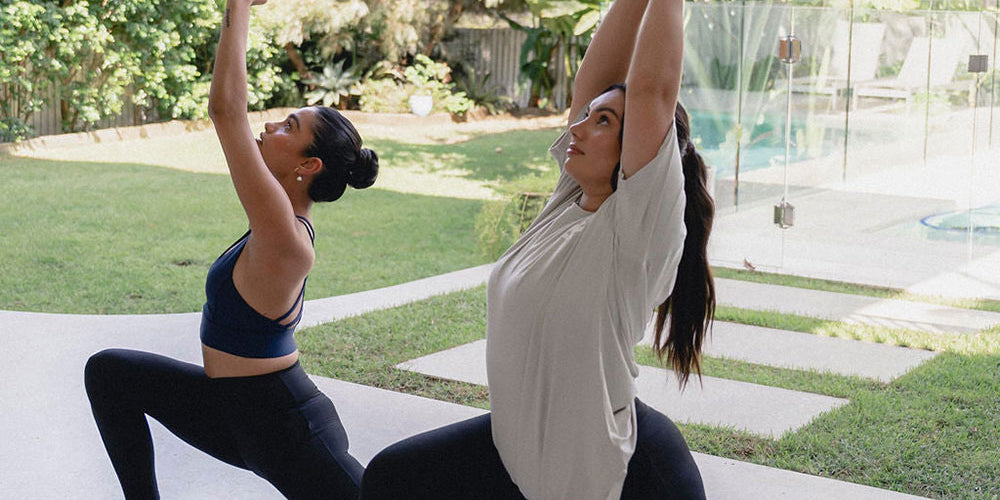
114	237
932	432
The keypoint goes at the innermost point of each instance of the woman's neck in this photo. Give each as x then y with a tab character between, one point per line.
591	202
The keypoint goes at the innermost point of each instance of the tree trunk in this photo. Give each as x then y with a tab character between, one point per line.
68	124
300	66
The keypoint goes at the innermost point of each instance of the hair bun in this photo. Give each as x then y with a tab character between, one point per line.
364	171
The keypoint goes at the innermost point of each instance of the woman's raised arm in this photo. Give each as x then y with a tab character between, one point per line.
609	54
653	83
264	200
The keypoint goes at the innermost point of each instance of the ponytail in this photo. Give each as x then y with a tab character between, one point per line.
690	307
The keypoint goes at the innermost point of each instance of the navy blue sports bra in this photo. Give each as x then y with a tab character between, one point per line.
230	325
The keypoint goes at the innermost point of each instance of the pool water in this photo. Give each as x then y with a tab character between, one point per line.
984	220
764	144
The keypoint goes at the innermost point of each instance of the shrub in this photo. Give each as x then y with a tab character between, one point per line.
13	129
477	88
384	95
388	88
28	33
500	223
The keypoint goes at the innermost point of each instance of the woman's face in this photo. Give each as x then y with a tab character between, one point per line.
595	150
283	144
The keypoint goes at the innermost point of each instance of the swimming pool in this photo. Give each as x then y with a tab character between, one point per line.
984	220
764	146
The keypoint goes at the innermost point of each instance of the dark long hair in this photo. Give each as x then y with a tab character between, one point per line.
690	307
689	310
345	163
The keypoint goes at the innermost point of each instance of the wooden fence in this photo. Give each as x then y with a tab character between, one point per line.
496	51
48	120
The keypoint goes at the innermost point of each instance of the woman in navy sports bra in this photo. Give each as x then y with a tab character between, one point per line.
251	405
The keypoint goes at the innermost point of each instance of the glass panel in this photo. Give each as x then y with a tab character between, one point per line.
737	121
890	141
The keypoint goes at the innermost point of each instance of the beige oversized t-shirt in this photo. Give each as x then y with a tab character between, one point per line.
567	304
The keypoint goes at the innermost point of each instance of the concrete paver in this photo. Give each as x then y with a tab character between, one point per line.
758	409
805	351
321	311
888	313
727	479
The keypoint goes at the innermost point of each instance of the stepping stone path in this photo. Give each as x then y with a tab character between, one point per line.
45	408
805	351
765	411
889	313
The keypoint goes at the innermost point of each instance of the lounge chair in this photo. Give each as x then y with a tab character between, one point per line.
831	79
913	76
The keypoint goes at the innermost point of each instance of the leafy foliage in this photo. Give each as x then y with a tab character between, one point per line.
331	24
384	95
566	25
500	223
477	88
28	31
336	82
389	87
99	55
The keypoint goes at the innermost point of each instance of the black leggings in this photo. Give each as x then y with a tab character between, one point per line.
460	461
279	425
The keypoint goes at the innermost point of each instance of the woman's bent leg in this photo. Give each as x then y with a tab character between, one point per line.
662	466
455	461
124	386
290	434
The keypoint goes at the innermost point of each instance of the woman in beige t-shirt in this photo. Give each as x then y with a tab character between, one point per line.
623	234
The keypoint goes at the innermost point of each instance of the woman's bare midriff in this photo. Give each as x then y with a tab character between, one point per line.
220	364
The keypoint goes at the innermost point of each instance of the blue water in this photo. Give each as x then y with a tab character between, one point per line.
984	220
764	142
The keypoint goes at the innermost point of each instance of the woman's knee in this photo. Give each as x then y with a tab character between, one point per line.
102	368
389	463
665	453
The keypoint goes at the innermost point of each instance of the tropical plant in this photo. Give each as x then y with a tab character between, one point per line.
334	83
428	77
568	25
99	55
457	103
478	89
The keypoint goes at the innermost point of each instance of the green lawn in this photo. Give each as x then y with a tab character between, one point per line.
118	237
522	152
932	432
965	343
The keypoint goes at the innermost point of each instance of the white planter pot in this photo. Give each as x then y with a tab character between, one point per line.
421	105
